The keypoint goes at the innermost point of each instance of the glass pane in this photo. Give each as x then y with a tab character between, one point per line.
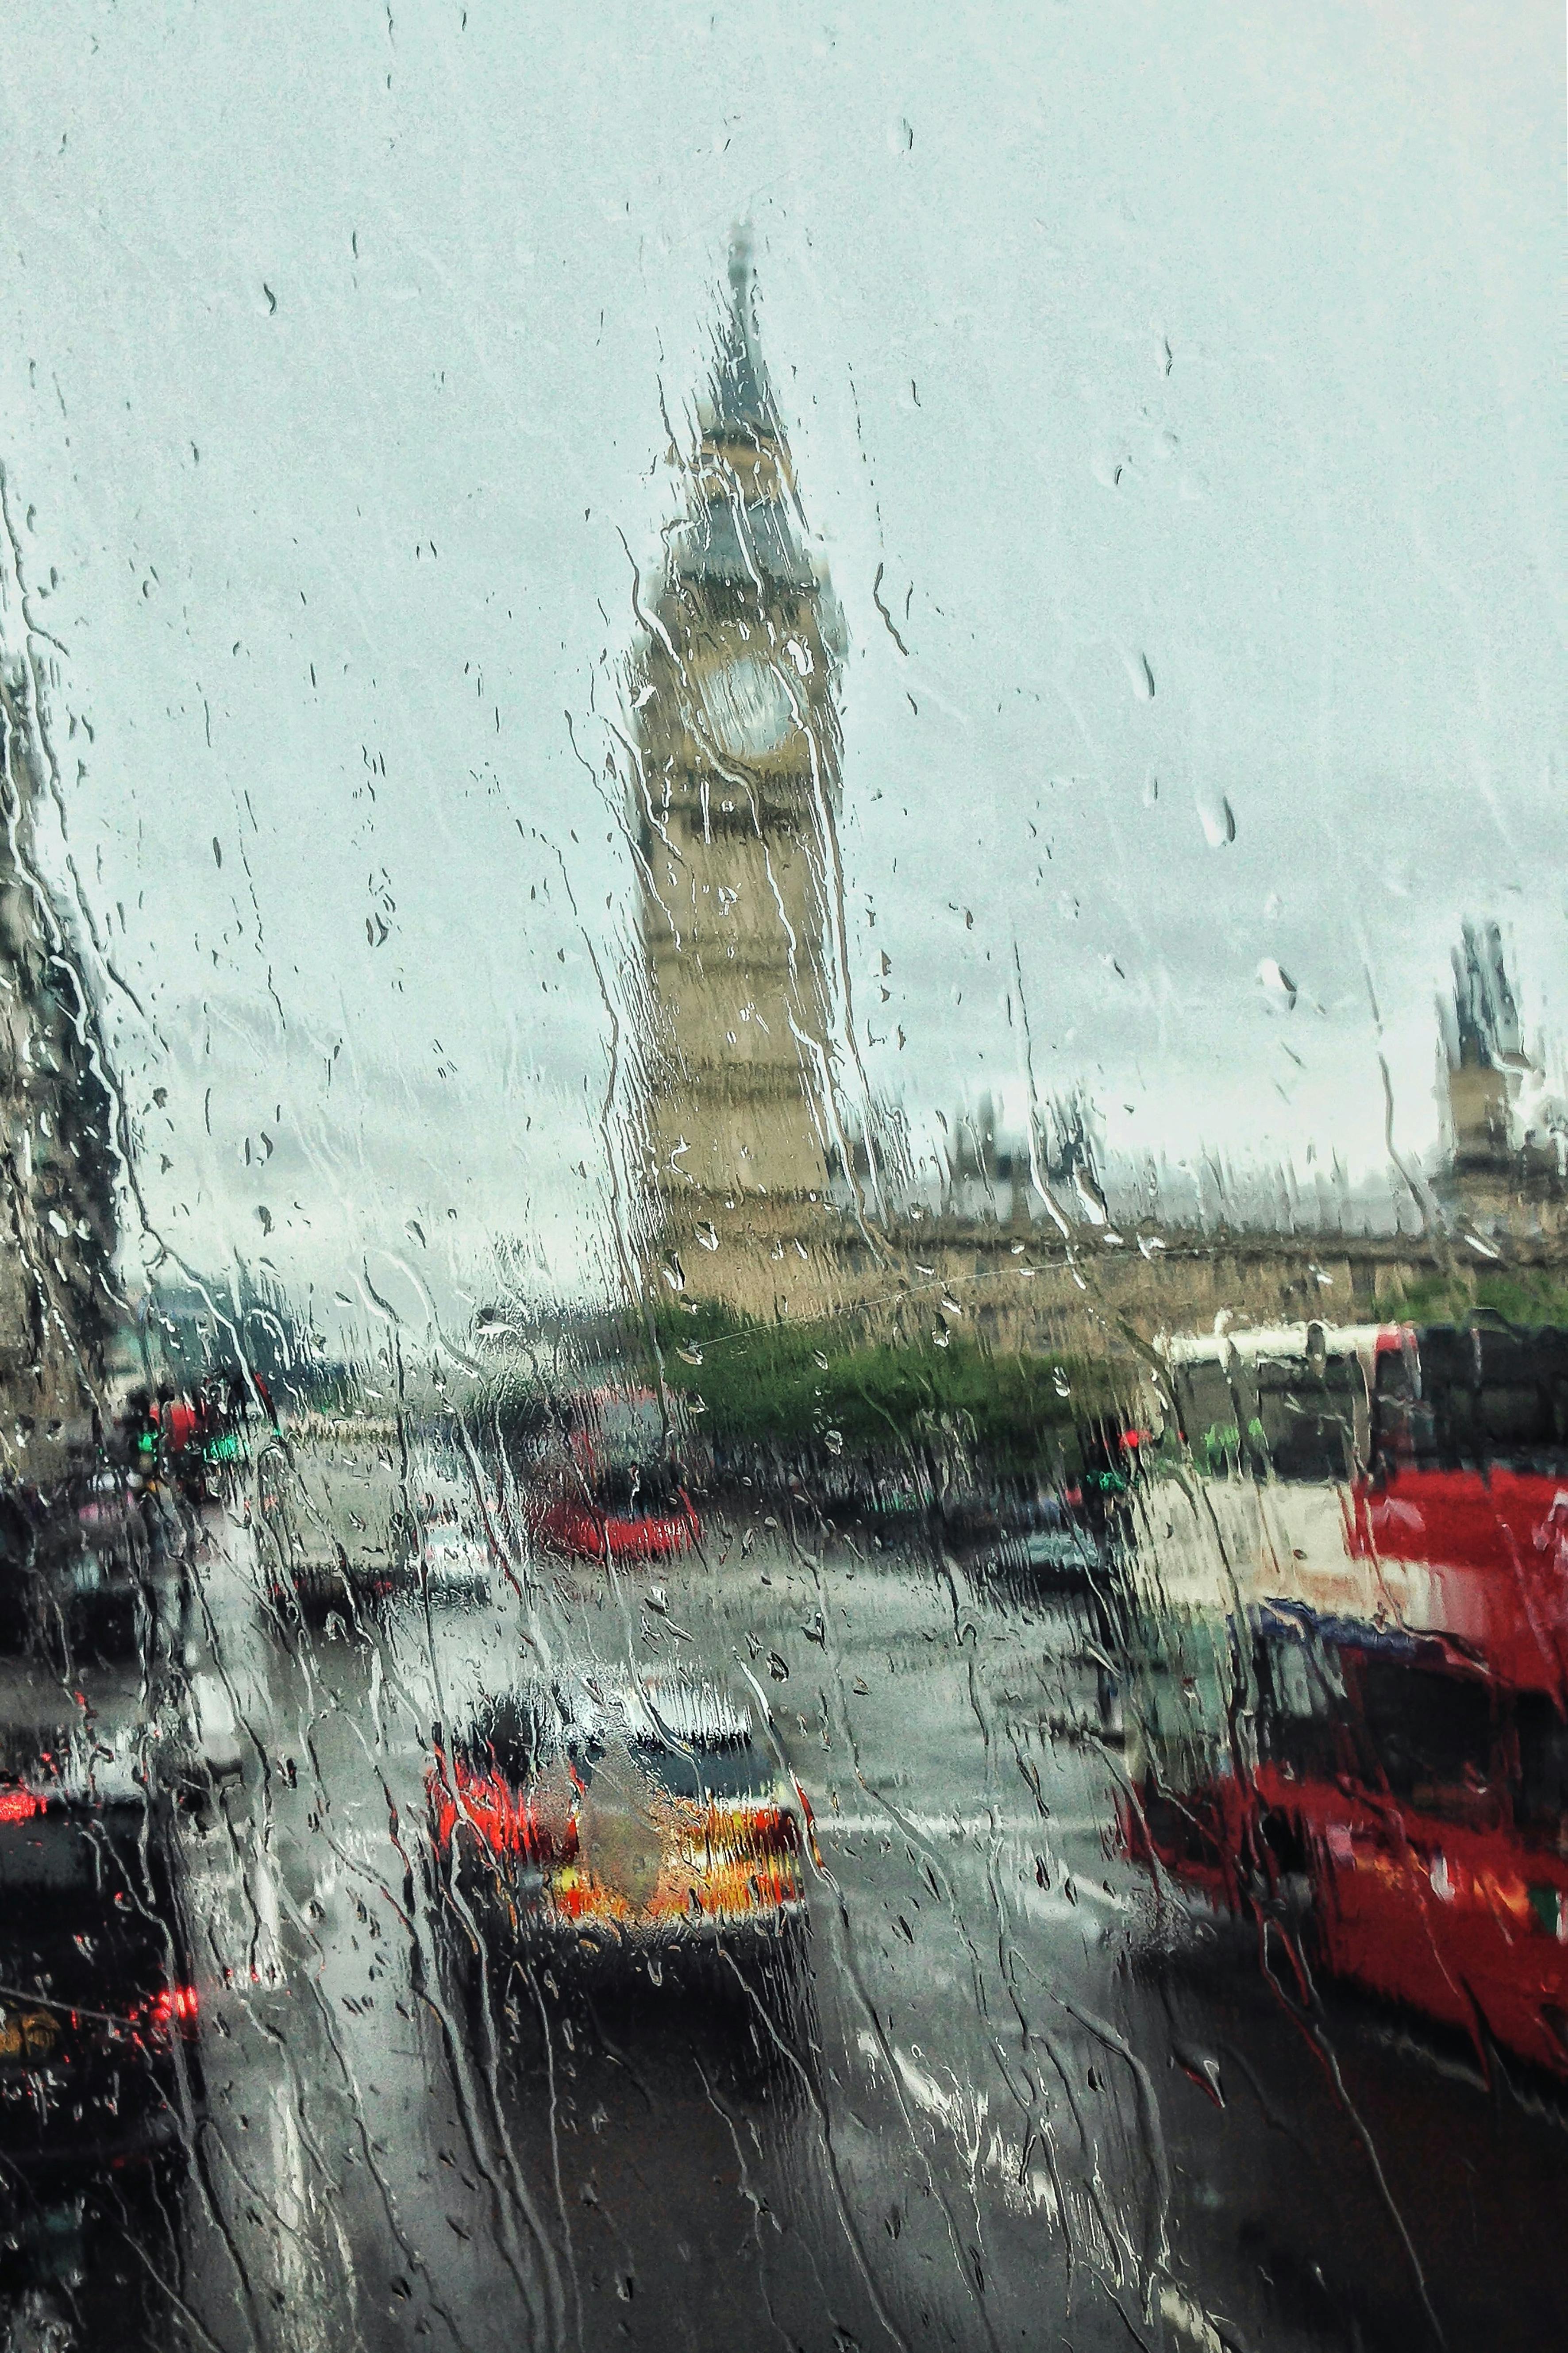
783	1336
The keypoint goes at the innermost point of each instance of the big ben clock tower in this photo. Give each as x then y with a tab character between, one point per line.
736	811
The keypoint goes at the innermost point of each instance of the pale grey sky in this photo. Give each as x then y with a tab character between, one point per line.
1207	346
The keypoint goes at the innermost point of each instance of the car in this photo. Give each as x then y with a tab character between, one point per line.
1064	1559
585	1529
635	1825
448	1558
99	2006
94	1569
330	1535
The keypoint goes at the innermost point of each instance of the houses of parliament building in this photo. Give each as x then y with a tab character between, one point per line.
755	1192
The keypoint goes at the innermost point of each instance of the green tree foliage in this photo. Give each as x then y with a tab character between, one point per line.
809	1385
1527	1295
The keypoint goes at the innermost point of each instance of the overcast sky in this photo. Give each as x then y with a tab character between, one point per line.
1205	349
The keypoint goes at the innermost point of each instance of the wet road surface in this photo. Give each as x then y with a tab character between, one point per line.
1030	2099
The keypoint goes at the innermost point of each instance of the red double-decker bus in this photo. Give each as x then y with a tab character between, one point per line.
1394	1770
607	1485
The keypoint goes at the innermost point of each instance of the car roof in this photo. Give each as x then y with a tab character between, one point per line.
675	1711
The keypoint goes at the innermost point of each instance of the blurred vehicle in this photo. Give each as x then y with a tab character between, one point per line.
1391	1770
1059	1553
331	1532
1292	1399
1469	1472
624	1824
607	1485
448	1533
1246	1476
94	1569
448	1556
99	2008
1399	1804
195	1443
588	1530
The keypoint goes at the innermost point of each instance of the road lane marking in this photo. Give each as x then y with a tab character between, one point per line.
959	1826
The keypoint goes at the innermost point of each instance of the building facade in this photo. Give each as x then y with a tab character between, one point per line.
756	1193
1503	1131
735	797
58	1302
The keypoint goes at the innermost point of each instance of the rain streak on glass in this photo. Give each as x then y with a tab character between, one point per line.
784	1335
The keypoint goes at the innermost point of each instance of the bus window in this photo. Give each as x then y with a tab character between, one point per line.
1301	1707
1308	1417
1278	1414
1212	1412
1541	1804
1402	1425
1469	1399
1431	1735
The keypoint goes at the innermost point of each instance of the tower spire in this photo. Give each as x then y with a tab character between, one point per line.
742	397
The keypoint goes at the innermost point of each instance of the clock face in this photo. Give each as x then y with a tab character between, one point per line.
747	707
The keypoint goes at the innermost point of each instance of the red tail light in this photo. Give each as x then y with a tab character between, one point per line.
763	1834
19	1805
174	2010
772	1830
506	1822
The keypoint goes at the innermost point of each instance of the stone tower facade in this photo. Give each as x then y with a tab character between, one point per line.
1485	1052
736	801
58	1303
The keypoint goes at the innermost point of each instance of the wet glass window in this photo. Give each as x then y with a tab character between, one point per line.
784	1180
